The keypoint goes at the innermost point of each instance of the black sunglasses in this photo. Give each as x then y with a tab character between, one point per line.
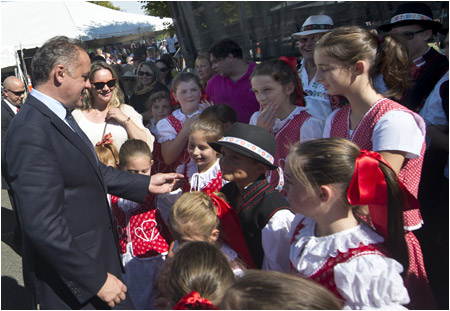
145	73
101	84
163	69
19	93
409	35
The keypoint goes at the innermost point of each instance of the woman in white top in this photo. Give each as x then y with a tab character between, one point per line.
104	111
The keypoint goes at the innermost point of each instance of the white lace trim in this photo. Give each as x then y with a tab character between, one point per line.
198	180
308	252
165	129
229	253
280	123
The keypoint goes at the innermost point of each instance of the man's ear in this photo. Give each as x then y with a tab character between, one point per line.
427	34
230	56
59	73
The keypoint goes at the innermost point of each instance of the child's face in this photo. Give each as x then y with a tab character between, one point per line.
161	109
332	73
300	199
199	150
239	168
188	94
270	92
139	165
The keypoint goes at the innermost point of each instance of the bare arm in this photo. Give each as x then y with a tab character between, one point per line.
394	158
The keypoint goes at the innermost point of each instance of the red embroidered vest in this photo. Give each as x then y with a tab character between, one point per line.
159	166
177	125
143	226
411	169
288	135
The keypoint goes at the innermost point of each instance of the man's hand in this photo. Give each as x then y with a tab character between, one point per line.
113	291
165	183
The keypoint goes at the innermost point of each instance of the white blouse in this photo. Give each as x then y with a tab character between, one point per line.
166	131
94	131
311	129
365	282
198	180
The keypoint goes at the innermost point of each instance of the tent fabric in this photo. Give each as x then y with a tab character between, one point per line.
28	24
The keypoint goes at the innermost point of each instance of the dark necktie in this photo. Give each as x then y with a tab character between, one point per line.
71	120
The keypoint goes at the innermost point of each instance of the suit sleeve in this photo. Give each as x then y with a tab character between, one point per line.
38	184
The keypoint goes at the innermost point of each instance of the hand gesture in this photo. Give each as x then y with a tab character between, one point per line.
116	114
266	117
165	183
113	291
205	104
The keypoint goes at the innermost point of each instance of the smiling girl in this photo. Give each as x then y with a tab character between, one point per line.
104	110
277	90
348	59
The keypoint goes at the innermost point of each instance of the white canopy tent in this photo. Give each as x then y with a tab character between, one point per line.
28	24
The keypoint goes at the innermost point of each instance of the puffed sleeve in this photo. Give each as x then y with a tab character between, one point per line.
165	131
311	129
137	119
371	282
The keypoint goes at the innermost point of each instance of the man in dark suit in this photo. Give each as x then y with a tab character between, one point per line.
70	255
13	94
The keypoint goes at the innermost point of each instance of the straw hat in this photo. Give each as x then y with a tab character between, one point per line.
315	24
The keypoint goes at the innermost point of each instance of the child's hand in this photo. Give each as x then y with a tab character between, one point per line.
187	124
267	116
205	104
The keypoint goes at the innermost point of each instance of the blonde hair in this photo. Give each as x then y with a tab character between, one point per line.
194	212
107	153
388	56
132	148
332	161
140	89
272	290
117	97
201	267
213	130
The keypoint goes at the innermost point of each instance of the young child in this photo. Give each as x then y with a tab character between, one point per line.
272	290
203	170
277	90
160	107
143	236
199	276
173	131
348	59
247	153
196	216
221	112
325	180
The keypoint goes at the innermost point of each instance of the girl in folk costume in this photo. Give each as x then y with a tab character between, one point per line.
143	236
160	107
282	113
348	59
203	171
199	216
173	131
326	180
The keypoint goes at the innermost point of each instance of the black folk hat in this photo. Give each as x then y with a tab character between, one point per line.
413	13
251	141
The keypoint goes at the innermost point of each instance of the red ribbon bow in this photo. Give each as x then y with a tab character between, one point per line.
368	187
106	140
231	228
292	62
193	300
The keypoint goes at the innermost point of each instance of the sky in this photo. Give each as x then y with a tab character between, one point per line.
129	6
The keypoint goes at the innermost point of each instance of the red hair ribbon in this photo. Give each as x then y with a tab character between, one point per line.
231	228
368	187
193	301
174	102
106	140
292	62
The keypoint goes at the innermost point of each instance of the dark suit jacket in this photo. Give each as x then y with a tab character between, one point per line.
61	194
7	116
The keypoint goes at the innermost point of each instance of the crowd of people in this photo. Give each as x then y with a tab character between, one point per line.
319	184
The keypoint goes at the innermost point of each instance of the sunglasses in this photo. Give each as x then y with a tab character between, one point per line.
145	73
19	93
128	79
101	84
163	69
409	35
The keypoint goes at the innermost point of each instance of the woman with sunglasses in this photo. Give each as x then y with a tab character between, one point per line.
149	82
104	110
165	70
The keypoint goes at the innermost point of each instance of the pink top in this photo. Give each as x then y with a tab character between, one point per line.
238	95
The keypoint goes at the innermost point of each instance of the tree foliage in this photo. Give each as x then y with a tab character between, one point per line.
156	8
106	4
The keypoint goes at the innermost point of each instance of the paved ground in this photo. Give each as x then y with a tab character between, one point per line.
14	295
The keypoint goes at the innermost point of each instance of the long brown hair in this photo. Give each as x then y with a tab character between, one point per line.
388	56
332	161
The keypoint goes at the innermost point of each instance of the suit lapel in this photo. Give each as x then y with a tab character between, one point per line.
66	131
7	109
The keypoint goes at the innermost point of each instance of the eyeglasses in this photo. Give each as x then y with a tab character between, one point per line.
101	84
19	93
145	73
409	35
163	69
128	79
